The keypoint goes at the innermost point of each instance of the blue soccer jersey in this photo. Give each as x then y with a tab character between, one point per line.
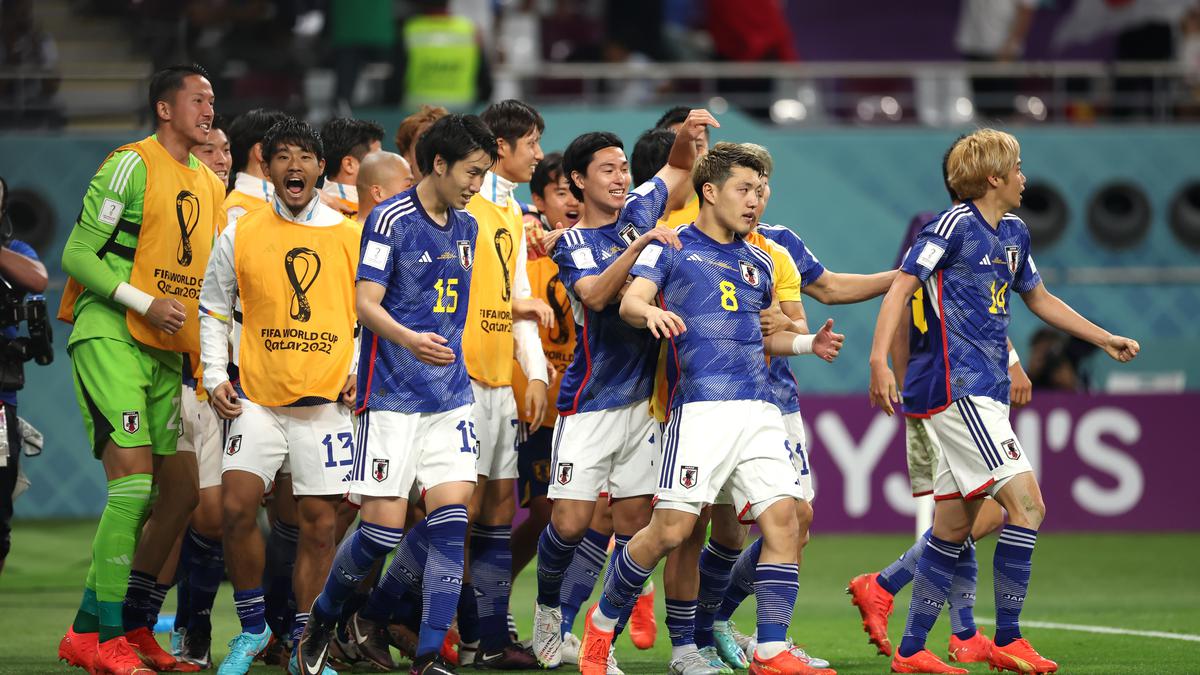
613	364
969	271
426	269
718	290
783	382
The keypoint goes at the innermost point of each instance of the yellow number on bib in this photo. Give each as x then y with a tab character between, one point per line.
728	297
447	300
999	301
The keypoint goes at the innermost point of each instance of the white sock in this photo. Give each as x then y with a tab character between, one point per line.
602	621
769	650
683	650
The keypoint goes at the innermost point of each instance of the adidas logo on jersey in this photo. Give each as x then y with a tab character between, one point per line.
695	258
605	255
425	258
985	261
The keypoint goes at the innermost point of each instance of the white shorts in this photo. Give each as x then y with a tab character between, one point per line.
793	424
921	448
496	427
611	450
316	441
741	445
399	451
202	431
979	451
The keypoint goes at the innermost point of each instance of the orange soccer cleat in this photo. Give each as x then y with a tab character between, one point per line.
974	649
875	605
594	650
924	662
78	649
786	662
116	657
643	629
1020	657
153	655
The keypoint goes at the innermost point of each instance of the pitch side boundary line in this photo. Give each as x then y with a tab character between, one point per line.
1107	630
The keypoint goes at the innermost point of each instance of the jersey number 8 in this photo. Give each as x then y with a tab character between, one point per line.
728	297
447	300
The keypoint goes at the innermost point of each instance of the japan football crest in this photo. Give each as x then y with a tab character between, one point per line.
749	273
629	234
379	470
235	444
688	476
1013	255
131	421
466	254
1011	448
564	472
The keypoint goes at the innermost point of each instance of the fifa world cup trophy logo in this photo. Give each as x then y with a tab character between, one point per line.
187	212
504	248
309	264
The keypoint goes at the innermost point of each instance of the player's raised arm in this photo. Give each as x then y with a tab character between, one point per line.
1049	308
677	174
883	383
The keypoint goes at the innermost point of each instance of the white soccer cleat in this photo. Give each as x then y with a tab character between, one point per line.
570	649
613	668
547	636
692	663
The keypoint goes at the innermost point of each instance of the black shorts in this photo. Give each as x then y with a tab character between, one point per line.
533	464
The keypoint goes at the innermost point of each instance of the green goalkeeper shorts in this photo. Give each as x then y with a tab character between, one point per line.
126	395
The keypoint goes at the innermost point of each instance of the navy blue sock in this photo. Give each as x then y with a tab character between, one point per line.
741	580
277	577
622	585
897	575
251	610
491	577
137	600
154	605
1011	567
931	587
468	614
716	564
206	570
582	575
775	589
402	579
299	621
355	557
681	622
442	579
183	610
962	593
554	557
619	543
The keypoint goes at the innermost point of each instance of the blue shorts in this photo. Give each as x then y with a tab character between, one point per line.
533	463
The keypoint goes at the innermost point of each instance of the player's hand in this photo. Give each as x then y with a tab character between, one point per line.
664	324
661	234
225	401
549	239
430	348
349	391
535	403
772	320
883	388
828	344
167	315
1122	349
533	309
697	122
1020	389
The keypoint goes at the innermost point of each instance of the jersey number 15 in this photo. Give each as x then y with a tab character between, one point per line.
447	299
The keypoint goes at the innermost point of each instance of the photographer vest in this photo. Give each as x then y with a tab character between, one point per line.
296	283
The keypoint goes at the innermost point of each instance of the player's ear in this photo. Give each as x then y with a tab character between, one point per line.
502	148
577	179
349	165
164	110
709	192
320	167
439	165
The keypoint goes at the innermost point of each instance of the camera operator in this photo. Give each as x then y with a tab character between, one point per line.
21	273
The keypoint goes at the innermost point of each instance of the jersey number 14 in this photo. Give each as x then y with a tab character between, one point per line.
999	299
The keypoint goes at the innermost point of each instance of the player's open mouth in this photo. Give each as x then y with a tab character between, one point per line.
617	193
294	186
572	215
223	175
206	126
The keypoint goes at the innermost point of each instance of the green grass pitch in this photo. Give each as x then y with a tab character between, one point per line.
1143	582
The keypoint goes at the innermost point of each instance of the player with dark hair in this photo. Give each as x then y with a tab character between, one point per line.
250	189
146	225
346	142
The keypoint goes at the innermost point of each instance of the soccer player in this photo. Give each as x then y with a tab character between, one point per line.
605	436
251	187
346	142
292	265
411	129
500	325
146	226
215	153
724	431
381	175
873	593
414	395
684	211
970	260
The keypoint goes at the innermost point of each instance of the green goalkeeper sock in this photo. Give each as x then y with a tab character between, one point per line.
112	550
87	619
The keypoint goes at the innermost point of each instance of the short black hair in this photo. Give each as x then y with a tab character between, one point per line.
650	153
547	173
248	129
579	153
512	119
453	137
344	136
169	80
291	131
672	117
946	169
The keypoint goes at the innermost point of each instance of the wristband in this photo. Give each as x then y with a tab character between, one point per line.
803	344
1013	358
133	298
